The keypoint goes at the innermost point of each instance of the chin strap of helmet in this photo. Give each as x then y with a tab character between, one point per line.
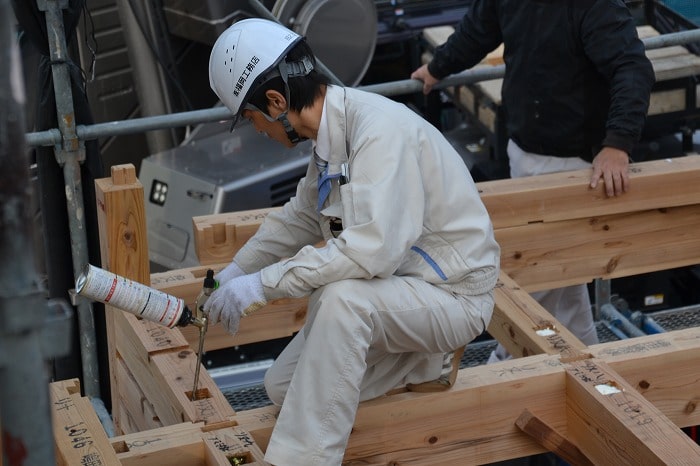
292	70
292	135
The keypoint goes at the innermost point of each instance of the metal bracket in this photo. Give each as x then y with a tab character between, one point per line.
66	155
602	295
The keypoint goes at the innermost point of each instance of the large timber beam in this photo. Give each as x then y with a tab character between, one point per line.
280	318
608	418
553	230
553	197
475	422
549	255
519	322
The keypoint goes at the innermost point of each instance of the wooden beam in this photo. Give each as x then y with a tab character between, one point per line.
660	358
187	444
217	239
553	244
136	410
555	231
656	366
81	440
545	435
163	364
474	422
278	319
544	392
607	418
525	328
549	255
78	435
519	322
566	196
176	445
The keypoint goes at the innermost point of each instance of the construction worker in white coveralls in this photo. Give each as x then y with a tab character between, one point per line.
405	277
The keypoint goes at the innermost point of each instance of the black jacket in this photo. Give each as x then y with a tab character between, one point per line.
577	77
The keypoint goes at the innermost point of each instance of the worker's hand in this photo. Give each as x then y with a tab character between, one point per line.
229	272
428	79
612	166
240	296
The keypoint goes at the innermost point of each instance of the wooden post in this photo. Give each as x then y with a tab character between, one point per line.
144	356
121	218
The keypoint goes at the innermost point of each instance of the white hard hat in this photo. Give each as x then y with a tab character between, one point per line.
243	56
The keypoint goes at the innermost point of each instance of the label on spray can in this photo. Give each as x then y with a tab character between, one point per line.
130	296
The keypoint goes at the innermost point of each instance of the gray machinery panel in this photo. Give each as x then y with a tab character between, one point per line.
213	171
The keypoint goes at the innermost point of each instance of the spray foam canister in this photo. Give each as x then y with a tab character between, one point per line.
128	295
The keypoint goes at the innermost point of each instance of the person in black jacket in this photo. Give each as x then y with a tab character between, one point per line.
575	94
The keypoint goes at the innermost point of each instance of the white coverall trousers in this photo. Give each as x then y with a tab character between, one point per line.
570	305
361	339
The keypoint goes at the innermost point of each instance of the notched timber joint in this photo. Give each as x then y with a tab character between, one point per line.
546	329
219	425
238	459
577	356
200	394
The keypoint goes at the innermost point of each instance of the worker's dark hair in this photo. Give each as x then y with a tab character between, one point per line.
303	90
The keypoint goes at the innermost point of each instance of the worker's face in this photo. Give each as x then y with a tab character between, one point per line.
272	129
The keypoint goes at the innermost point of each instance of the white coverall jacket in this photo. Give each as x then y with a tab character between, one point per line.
409	278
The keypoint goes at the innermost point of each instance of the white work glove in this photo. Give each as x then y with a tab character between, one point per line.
239	297
229	272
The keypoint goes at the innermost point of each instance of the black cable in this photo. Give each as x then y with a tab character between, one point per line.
93	50
159	59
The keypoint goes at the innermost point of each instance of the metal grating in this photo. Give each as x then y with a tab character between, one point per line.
477	353
677	319
247	398
604	333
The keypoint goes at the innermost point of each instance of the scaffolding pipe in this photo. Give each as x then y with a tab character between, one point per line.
393	88
409	86
603	287
646	323
24	401
610	314
615	331
70	152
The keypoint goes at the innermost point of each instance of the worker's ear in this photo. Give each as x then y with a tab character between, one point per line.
276	102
